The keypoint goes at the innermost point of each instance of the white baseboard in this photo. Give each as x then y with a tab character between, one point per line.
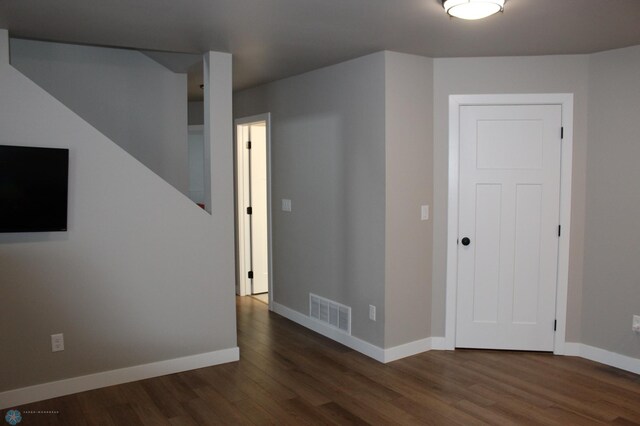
365	348
606	357
408	349
438	344
16	397
339	336
414	348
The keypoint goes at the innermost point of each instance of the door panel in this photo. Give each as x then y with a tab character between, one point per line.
509	144
509	209
487	266
259	237
526	268
243	201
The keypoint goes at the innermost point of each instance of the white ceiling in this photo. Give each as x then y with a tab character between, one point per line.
273	39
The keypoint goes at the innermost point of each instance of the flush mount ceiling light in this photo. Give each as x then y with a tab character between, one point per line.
472	9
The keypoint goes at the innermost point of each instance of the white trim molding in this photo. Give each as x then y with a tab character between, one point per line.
438	344
359	345
612	359
266	117
565	100
413	348
603	356
339	336
407	349
17	397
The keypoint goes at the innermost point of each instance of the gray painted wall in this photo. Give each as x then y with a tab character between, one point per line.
606	100
142	275
415	102
328	157
612	268
195	111
541	74
196	164
130	98
130	283
409	184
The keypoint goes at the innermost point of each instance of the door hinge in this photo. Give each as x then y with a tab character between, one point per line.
250	274
248	144
555	325
559	230
249	210
561	132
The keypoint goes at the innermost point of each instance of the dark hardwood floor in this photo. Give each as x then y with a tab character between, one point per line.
289	375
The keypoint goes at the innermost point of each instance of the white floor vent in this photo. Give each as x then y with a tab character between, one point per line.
330	313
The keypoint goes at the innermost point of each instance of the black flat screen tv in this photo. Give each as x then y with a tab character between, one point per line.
33	189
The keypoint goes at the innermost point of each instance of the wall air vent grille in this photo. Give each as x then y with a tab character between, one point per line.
330	313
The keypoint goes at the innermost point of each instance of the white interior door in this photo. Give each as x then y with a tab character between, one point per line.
243	185
259	227
510	158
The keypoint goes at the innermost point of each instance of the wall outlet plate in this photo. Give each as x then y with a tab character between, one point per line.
636	323
286	205
372	312
57	342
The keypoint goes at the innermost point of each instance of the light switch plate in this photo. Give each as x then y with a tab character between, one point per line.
424	212
636	323
286	205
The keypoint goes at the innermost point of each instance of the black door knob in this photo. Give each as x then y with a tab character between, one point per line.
465	241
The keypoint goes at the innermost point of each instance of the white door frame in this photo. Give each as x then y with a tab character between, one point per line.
266	117
565	100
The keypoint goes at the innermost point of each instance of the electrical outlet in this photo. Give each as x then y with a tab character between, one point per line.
57	342
636	323
372	312
286	205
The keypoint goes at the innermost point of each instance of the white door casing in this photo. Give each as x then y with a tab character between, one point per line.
509	197
522	222
260	125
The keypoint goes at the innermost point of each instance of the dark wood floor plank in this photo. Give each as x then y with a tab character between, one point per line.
288	375
212	408
348	392
533	382
163	398
293	379
182	421
255	413
341	415
486	414
227	386
306	413
124	415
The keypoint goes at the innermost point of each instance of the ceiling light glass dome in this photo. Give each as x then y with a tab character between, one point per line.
473	9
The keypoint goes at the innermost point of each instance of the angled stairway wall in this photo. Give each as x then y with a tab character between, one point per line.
132	99
143	275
